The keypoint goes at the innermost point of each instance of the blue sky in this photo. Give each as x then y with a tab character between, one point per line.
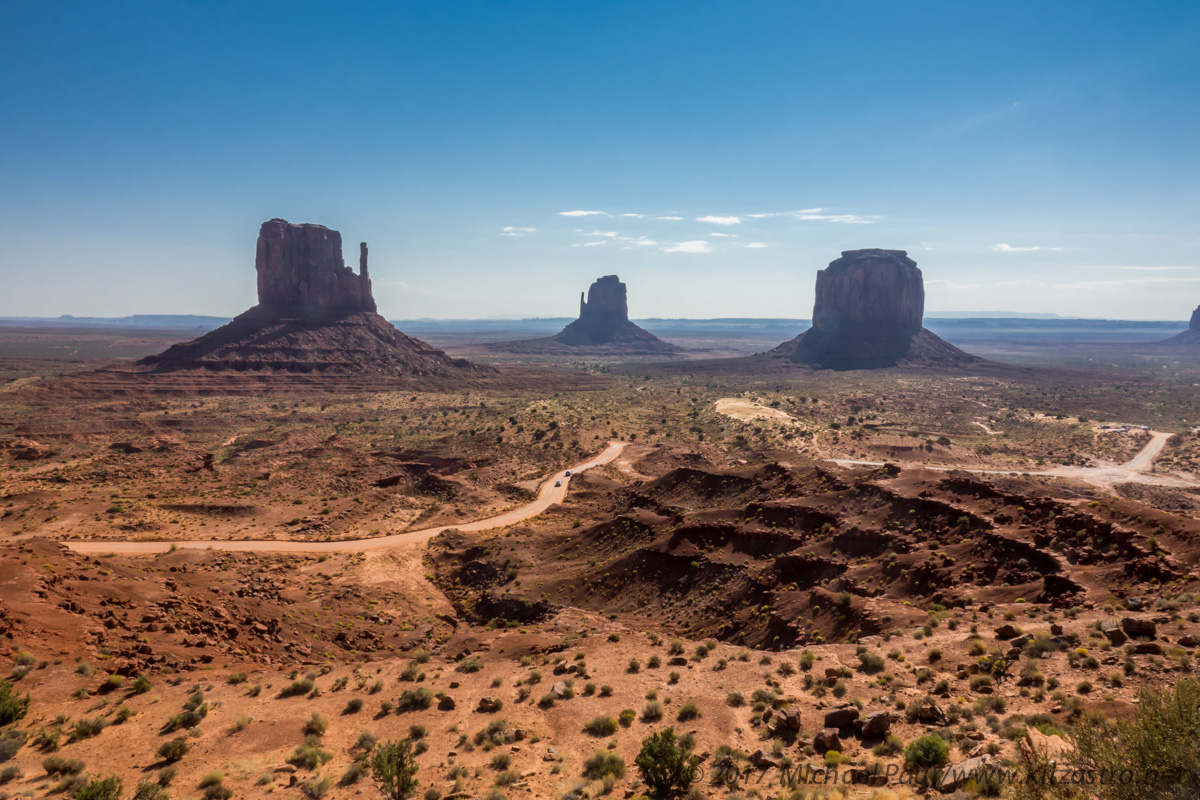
1031	156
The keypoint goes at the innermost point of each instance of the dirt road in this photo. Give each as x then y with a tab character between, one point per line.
548	495
1132	471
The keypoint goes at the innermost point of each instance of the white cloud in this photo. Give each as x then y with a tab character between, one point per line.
1149	280
607	234
756	245
582	214
815	215
1021	283
689	247
596	243
671	219
725	235
635	216
950	284
1008	248
511	231
720	220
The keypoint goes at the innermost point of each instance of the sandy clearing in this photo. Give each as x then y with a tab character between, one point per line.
548	495
1132	471
744	410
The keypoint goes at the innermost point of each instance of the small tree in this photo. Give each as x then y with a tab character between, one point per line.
666	765
12	706
106	789
394	768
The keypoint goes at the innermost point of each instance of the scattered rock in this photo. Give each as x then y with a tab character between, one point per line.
1139	627
876	724
1007	631
827	739
841	718
489	705
957	776
1112	631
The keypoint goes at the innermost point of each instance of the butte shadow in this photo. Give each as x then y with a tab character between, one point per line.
603	329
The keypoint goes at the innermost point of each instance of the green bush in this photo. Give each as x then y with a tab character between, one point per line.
394	768
414	700
666	766
601	764
13	707
104	789
601	726
309	756
173	750
870	663
929	750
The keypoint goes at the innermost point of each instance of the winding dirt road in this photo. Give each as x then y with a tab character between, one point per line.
548	495
1132	471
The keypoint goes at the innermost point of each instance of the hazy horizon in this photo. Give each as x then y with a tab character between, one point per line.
500	157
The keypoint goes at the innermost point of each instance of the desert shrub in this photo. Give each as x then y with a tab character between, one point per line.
627	717
652	711
666	766
870	662
218	792
929	750
173	750
601	764
10	774
309	756
469	665
212	778
354	706
237	678
297	688
315	788
57	765
10	742
501	761
394	769
316	725
507	778
112	683
103	789
13	706
414	700
87	728
141	685
688	712
890	746
601	726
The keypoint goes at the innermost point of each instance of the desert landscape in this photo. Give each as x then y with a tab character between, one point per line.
867	466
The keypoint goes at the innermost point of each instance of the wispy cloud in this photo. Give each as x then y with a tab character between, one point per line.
689	247
720	220
950	284
1155	269
1021	283
635	216
1008	248
511	231
1149	280
607	234
595	243
815	215
756	245
582	214
725	235
671	219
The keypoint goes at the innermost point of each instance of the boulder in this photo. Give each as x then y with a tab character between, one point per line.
764	760
841	718
1007	631
827	739
1189	641
876	724
1139	627
1112	631
1037	746
489	705
957	776
788	720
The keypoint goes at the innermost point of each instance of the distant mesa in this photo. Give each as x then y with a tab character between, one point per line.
868	313
603	328
314	314
1189	337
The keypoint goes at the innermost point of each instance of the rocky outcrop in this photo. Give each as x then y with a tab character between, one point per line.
301	274
1190	337
603	328
314	315
868	312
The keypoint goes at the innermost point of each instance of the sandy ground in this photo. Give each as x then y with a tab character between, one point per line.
550	494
